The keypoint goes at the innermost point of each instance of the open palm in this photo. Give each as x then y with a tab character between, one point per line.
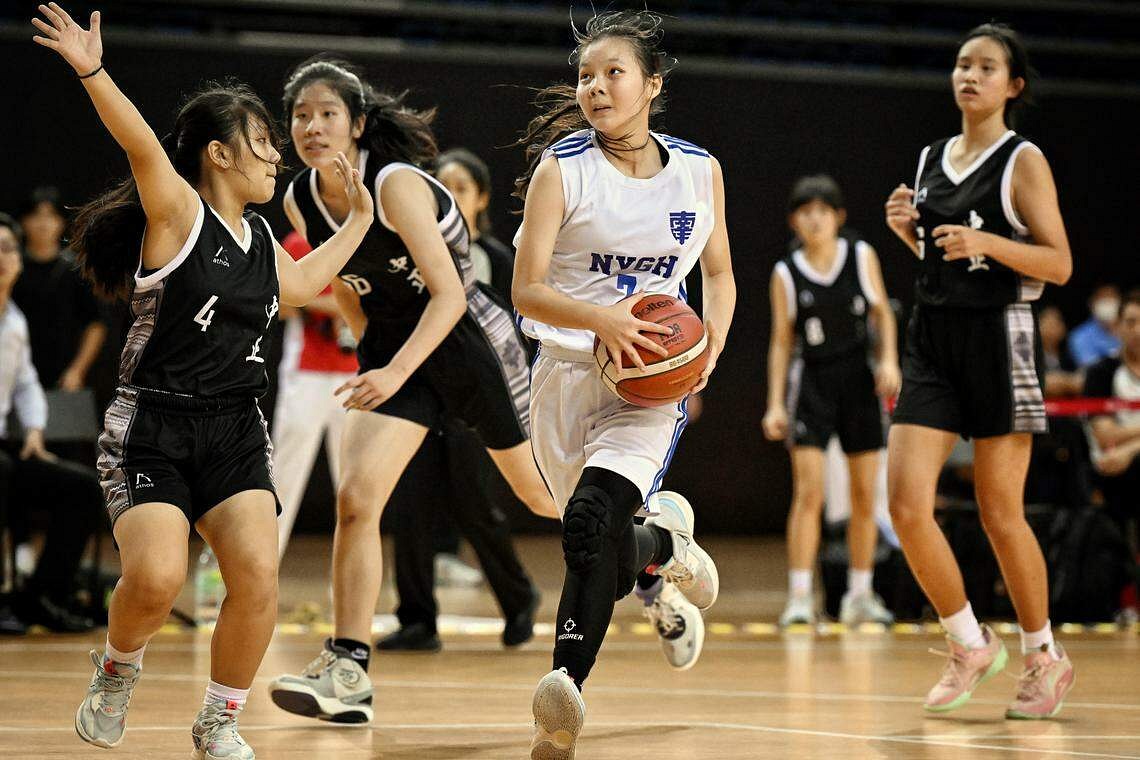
82	48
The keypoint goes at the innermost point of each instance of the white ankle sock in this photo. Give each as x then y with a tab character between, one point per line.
963	626
215	692
126	658
799	582
1039	641
859	581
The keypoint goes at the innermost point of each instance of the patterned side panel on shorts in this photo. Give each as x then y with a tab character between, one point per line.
117	423
792	400
144	308
1028	401
498	328
268	446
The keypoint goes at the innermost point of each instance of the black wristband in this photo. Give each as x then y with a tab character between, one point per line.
93	73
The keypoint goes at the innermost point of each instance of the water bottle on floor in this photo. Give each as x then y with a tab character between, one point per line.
209	590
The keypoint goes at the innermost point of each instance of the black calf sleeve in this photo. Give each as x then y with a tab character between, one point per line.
597	535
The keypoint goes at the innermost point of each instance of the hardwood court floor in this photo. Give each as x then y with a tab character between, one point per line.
754	694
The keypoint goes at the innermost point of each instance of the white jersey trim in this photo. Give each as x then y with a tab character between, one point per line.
149	281
1007	187
918	174
247	233
862	268
444	224
827	279
272	249
781	271
959	177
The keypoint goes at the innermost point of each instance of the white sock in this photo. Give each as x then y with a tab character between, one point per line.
799	582
963	626
215	692
1039	641
859	581
126	658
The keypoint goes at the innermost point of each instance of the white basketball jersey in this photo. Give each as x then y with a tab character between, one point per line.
621	235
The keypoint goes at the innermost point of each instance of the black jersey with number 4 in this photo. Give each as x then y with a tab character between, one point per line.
392	292
829	308
977	197
200	320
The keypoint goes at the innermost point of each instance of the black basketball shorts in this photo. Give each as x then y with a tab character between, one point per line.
836	396
972	371
479	375
191	452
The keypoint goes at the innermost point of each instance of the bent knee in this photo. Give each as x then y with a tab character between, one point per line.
155	586
586	528
357	503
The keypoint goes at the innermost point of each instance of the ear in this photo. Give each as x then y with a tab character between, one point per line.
1016	86
358	126
220	154
841	216
483	201
655	85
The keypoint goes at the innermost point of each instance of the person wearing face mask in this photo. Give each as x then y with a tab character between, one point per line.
66	327
1096	338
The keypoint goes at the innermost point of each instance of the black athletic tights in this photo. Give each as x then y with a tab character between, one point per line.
588	597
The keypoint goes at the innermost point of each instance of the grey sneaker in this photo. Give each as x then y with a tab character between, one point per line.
332	687
679	625
102	717
559	713
799	610
216	736
864	608
691	569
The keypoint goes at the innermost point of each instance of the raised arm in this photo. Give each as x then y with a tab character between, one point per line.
718	281
168	200
302	281
542	217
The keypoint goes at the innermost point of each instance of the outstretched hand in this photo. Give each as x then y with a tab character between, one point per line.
359	201
81	48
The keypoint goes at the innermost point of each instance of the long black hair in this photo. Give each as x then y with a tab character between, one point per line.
479	172
108	229
558	103
392	129
1017	58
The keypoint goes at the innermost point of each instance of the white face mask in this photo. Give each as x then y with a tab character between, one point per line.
1106	309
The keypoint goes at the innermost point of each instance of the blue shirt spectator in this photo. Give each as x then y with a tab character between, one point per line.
1095	338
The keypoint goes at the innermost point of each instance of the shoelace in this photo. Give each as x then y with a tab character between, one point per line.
220	725
952	675
1029	686
320	664
115	688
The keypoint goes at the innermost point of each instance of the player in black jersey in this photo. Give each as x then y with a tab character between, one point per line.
431	346
822	296
984	221
184	443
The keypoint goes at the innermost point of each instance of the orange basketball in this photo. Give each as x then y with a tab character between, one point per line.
666	379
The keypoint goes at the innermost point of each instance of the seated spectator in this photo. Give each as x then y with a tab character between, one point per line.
1061	375
63	316
1095	338
1118	435
30	476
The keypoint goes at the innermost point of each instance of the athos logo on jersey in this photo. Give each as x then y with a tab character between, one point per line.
142	481
858	306
976	222
662	266
681	224
220	258
400	264
806	298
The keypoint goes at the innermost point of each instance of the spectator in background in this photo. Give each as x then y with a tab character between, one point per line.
1062	377
1095	338
31	478
319	354
1118	435
63	316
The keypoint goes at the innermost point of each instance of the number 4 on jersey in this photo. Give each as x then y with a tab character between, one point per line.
205	315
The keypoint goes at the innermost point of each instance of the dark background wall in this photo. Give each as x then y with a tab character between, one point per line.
765	133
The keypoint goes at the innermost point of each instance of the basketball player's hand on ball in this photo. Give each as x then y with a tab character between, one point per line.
371	389
620	331
82	48
716	345
888	379
360	207
775	423
901	213
959	242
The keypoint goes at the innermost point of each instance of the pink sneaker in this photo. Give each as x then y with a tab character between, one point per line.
965	671
1042	686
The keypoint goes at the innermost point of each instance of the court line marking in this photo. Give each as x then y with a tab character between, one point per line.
621	690
711	725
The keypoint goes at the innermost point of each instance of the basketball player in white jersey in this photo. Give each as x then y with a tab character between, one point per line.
612	211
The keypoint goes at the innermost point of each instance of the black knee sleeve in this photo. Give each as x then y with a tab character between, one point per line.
587	525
